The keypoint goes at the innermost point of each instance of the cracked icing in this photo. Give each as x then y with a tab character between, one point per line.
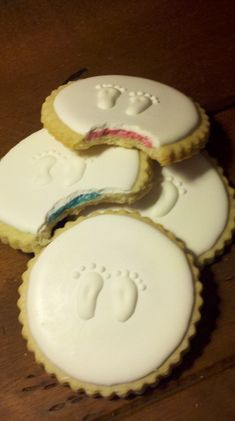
144	107
109	329
40	175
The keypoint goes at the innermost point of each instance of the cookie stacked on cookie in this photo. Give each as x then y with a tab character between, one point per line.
110	301
190	196
46	182
126	111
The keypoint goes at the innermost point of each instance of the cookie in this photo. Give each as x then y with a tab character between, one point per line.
193	200
42	182
127	111
110	304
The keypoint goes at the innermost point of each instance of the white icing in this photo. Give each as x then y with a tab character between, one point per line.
138	104
124	291
167	198
107	97
144	106
141	313
51	165
124	297
89	288
40	174
191	201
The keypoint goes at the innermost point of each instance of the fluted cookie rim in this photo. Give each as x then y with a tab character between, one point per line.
167	154
30	242
226	236
120	390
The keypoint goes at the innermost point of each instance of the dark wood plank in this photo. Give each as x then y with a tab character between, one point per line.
210	400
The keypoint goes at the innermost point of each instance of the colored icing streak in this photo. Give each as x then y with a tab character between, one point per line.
96	134
73	203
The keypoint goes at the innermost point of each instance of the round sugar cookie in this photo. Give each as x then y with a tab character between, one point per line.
42	181
193	200
128	111
110	304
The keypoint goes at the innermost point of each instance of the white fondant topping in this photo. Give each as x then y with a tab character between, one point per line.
191	201
40	172
145	107
130	325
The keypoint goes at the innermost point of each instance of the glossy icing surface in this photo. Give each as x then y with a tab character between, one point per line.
40	177
102	302
144	107
190	199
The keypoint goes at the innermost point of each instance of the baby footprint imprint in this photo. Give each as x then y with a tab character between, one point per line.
171	189
107	95
73	171
139	102
42	170
90	283
125	294
51	165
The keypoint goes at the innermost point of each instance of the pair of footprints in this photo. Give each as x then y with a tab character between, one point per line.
108	94
124	286
52	165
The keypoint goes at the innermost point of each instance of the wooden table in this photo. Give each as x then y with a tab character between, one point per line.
189	45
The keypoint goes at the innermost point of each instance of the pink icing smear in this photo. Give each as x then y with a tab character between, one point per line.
119	132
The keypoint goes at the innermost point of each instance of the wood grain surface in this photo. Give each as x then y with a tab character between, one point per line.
189	45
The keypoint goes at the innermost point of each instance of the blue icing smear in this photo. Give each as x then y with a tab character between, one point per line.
78	200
